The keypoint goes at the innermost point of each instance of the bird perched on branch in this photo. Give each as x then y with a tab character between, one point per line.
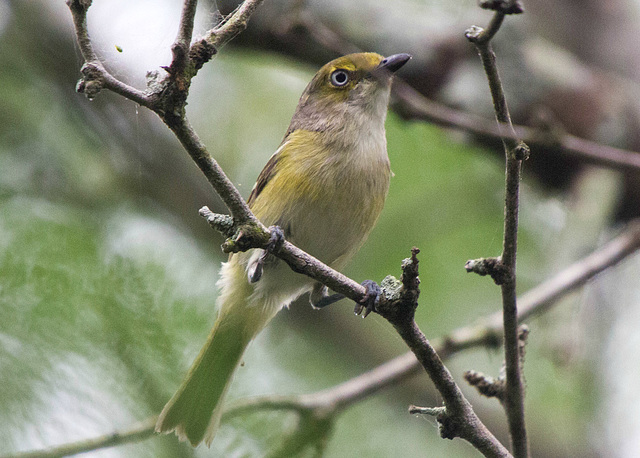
324	188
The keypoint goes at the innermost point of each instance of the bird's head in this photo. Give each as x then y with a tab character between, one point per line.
351	85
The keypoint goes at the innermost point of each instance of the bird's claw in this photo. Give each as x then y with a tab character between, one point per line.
276	240
371	299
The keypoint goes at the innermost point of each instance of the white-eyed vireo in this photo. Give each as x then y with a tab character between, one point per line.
324	187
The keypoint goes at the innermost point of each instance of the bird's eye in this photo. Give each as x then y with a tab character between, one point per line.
339	78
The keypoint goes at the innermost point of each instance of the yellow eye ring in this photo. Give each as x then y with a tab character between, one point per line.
339	78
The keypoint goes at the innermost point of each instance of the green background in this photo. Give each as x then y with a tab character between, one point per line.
107	273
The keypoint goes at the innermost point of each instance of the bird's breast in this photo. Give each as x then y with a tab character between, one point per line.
327	195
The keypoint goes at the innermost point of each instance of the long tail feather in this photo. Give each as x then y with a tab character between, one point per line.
195	409
192	409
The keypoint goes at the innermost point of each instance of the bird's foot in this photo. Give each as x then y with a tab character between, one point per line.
276	240
325	299
371	299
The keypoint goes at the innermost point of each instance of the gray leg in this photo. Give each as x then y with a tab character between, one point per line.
320	297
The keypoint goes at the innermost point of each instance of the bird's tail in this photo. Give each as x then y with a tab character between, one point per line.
195	409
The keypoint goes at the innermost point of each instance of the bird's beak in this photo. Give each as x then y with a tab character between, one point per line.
394	63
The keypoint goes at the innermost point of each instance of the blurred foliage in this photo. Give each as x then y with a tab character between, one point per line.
107	274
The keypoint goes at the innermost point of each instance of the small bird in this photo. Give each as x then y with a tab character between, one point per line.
324	188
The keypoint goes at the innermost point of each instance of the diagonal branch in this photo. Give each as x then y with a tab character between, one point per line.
234	25
457	417
213	172
297	259
413	105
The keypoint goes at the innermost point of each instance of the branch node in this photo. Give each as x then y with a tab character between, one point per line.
473	33
486	385
241	237
449	426
503	6
242	240
92	80
401	303
521	152
495	388
221	223
494	267
201	52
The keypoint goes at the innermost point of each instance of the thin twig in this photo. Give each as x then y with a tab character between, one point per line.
187	21
514	387
139	432
96	77
78	10
231	27
180	47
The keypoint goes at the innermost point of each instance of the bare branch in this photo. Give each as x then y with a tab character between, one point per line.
414	105
515	152
187	21
180	47
139	432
